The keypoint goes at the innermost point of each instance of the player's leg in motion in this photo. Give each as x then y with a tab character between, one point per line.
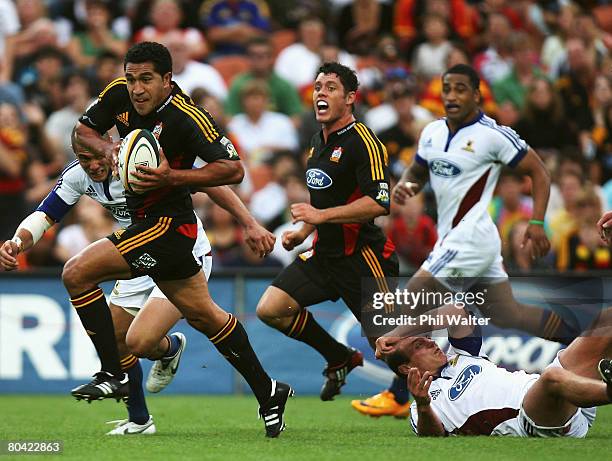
99	262
506	312
148	338
278	309
139	421
559	391
192	298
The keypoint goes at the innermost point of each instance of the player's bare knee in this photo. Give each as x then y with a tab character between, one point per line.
72	274
139	346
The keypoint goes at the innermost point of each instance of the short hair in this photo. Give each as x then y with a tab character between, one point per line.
255	87
259	41
464	69
153	52
346	75
394	360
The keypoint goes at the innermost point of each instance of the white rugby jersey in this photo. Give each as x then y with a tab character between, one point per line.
73	183
473	396
464	169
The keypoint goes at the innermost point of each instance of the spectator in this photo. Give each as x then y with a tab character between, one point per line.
14	159
224	234
430	57
554	46
543	123
259	132
299	62
563	221
93	223
9	25
509	205
575	84
86	46
59	125
361	23
413	233
517	256
108	67
283	97
230	24
400	139
190	74
36	32
384	116
431	98
166	16
581	248
495	62
600	102
462	17
511	90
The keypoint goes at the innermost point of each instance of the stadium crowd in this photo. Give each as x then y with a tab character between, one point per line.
546	71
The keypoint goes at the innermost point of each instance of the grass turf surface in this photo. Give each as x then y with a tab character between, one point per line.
226	427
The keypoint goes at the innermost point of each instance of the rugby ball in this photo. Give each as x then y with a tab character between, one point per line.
138	148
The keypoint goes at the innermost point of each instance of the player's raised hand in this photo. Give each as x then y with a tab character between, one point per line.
419	385
385	345
540	245
259	239
8	252
403	190
291	239
306	213
605	227
153	178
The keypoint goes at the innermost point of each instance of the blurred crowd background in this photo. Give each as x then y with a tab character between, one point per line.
545	65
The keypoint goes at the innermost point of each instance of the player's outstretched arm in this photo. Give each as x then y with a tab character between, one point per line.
27	234
258	238
412	181
533	166
361	210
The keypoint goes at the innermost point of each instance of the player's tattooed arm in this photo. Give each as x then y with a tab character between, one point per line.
533	166
412	181
260	240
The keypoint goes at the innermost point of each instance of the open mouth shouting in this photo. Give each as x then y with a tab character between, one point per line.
322	107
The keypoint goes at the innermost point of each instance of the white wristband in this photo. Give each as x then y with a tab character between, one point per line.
36	224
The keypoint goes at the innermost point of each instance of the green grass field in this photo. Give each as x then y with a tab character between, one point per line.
207	427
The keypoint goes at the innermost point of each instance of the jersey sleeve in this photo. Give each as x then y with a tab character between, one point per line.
204	139
100	115
421	153
372	166
65	194
509	147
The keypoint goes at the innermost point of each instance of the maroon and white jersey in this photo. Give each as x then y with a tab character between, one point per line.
464	169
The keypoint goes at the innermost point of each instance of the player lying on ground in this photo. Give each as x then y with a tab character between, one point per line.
461	157
142	315
461	392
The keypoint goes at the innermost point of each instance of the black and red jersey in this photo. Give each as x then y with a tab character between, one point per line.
352	164
185	131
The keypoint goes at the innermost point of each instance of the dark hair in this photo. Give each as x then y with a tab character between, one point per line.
346	75
464	69
259	41
153	52
394	360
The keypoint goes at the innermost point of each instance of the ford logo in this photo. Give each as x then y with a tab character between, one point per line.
444	168
318	179
463	381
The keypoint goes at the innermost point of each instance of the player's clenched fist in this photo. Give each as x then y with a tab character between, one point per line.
291	239
306	213
8	252
404	190
385	345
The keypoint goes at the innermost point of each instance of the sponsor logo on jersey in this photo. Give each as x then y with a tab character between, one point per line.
463	381
123	118
336	154
469	146
318	179
444	168
383	194
157	129
146	261
90	192
310	152
231	150
435	393
428	143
